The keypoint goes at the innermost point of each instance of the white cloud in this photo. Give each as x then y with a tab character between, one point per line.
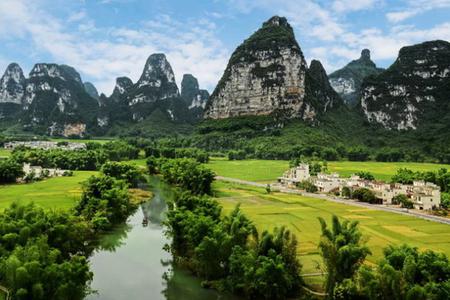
414	8
353	5
77	16
399	16
190	47
331	39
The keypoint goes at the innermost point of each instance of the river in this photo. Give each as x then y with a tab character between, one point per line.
131	263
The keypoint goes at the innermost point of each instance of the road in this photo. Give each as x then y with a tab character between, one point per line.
396	210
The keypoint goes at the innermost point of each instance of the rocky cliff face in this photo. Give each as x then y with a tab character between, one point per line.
91	90
12	85
116	108
154	95
51	100
155	89
347	81
413	91
318	89
265	74
193	96
12	90
56	98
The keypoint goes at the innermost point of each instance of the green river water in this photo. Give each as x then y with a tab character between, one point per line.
131	263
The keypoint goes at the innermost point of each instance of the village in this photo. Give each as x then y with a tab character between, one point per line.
45	145
423	195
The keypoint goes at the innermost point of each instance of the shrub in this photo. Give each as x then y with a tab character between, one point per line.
236	155
365	175
122	171
188	174
365	195
10	171
308	186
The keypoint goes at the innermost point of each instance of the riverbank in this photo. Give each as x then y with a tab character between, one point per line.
130	262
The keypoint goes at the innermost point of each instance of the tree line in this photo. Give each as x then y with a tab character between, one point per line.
90	159
43	253
229	254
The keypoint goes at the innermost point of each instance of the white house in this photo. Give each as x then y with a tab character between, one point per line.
326	183
39	171
295	175
425	195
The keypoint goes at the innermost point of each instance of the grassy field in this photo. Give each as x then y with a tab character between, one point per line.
253	170
101	141
269	170
58	192
4	152
300	214
381	170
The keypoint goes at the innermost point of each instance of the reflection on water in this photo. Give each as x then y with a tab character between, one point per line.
130	262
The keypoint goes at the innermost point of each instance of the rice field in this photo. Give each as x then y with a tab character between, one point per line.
270	170
57	192
300	214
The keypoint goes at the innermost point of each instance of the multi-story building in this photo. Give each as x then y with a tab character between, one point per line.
326	183
425	195
295	175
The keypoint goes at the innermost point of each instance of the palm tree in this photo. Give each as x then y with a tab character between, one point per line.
342	251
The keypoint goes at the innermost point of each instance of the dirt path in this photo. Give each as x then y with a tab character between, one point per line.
396	210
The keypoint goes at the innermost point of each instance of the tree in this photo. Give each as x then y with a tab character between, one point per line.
127	172
188	174
236	155
365	175
358	154
269	271
404	176
342	250
153	165
445	200
10	171
105	201
407	204
400	199
365	195
346	192
46	259
405	273
308	186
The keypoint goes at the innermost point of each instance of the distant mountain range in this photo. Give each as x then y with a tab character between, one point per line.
54	100
266	75
347	81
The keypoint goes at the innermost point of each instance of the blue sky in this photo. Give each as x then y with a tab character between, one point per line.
104	39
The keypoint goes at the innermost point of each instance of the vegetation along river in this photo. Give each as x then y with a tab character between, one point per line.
131	263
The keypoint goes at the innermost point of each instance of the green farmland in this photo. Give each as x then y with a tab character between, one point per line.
101	141
269	170
253	170
58	192
4	152
300	214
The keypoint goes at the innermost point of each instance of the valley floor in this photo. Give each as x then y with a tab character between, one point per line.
300	213
269	170
57	192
